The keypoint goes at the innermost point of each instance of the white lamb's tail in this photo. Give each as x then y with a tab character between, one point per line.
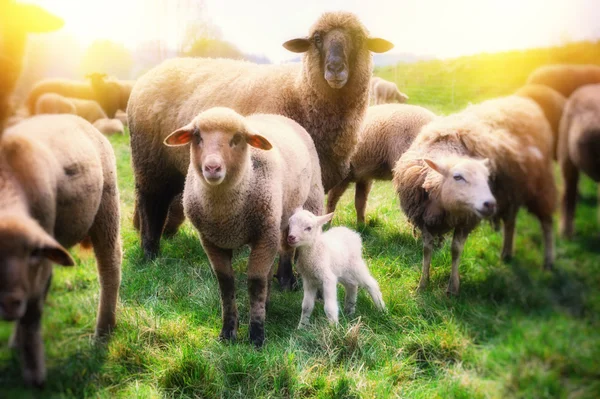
375	292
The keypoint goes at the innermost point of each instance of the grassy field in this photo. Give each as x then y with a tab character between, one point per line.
514	331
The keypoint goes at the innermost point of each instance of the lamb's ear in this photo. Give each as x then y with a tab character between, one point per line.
52	250
486	162
35	19
437	166
321	220
179	137
258	141
297	45
378	45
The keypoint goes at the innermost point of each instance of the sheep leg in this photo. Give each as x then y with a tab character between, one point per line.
334	195
509	223
285	273
360	199
350	298
427	251
547	232
175	217
458	243
152	210
220	261
570	175
262	257
308	302
330	299
32	346
106	241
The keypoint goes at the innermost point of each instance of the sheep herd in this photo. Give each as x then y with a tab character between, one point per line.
247	152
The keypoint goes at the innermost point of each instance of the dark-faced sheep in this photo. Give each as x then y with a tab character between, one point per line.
565	78
442	180
579	148
327	94
59	185
386	92
246	175
387	132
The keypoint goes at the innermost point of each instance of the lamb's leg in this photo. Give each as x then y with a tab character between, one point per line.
330	299
106	240
458	243
546	223
360	199
260	263
336	193
285	273
375	292
427	251
350	298
308	302
570	175
509	223
152	210
220	261
175	217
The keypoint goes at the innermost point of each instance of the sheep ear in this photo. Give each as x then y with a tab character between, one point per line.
297	45
486	162
53	251
378	45
35	19
321	220
438	167
299	209
180	137
258	141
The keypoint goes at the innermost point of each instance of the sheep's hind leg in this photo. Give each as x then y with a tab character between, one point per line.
546	223
308	302
152	211
285	273
175	217
570	175
336	193
360	199
427	251
350	298
330	299
509	222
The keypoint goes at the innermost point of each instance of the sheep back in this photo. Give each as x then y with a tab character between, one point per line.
565	78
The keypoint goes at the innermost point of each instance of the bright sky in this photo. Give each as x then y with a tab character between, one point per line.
442	28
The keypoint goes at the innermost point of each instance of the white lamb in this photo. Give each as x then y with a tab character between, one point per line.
324	259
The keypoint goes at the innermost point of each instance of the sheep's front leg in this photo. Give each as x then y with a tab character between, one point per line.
570	175
330	299
361	194
509	223
427	251
285	273
547	232
458	243
261	260
220	260
29	338
308	302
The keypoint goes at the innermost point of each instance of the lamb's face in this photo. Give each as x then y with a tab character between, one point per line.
23	246
304	227
465	186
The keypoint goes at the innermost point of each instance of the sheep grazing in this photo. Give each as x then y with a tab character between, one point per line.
578	148
551	102
245	177
327	94
386	92
324	259
442	180
16	21
63	87
112	94
565	78
108	127
59	185
387	132
52	103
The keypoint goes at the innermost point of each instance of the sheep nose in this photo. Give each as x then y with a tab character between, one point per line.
291	239
489	206
10	306
212	167
335	67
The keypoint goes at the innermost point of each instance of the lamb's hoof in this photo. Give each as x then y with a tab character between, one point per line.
288	283
349	310
34	378
257	333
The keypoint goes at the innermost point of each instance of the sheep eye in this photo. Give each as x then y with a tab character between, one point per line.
308	229
318	39
237	138
458	177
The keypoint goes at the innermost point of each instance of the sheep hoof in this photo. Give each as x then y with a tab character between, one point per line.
288	283
452	292
34	378
228	334
422	286
506	257
549	266
257	333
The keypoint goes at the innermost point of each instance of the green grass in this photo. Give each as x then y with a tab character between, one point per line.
514	331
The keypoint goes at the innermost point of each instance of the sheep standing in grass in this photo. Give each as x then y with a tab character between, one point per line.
112	94
387	92
245	177
565	78
579	148
442	180
52	103
59	185
327	94
324	259
551	102
387	132
108	127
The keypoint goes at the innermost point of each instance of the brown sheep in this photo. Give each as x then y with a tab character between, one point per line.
16	21
112	94
108	127
387	92
387	132
52	103
245	177
441	188
551	102
59	185
327	94
578	148
565	78
122	116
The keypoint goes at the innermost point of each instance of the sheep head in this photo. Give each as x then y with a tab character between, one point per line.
23	246
336	43
219	140
304	227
